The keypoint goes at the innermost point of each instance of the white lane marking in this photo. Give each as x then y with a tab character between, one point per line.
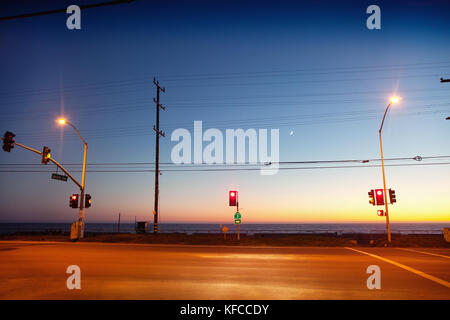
432	254
415	271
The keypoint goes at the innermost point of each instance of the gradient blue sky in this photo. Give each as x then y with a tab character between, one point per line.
308	67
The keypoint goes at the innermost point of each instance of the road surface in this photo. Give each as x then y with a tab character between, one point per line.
37	270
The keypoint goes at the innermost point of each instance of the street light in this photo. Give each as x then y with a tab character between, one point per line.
80	229
392	101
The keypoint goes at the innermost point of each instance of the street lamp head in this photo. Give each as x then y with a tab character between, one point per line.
62	121
395	99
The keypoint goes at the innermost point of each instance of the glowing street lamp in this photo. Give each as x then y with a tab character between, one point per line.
63	121
393	100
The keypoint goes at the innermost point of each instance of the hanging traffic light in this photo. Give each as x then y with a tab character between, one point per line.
45	155
74	201
233	198
379	196
392	196
87	201
8	141
380	213
371	197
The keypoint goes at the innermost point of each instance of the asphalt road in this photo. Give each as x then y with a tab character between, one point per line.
37	270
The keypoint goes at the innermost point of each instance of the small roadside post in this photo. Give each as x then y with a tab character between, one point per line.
225	230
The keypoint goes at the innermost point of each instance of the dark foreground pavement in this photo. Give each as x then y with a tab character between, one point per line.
37	270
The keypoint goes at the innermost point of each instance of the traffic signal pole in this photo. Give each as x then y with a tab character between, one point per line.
80	228
158	133
237	207
81	215
384	180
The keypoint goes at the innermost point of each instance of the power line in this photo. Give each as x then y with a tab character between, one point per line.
146	130
416	158
248	120
41	13
220	85
235	169
126	107
233	75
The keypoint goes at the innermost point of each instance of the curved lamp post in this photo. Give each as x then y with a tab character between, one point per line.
83	178
392	101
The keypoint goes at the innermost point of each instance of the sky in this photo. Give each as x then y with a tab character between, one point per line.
311	69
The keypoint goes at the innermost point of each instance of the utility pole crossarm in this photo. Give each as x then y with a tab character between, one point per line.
156	83
159	104
444	80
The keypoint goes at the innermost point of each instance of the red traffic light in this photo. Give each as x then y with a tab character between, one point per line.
74	201
233	198
380	213
379	196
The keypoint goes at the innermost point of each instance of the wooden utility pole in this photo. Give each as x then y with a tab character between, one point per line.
118	225
158	133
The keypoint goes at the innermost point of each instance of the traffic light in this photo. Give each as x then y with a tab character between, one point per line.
392	196
233	198
379	196
380	213
74	201
87	201
45	155
371	197
8	141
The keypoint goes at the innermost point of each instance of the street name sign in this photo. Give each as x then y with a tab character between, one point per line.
59	177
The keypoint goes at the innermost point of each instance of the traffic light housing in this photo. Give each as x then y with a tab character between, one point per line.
8	141
87	201
379	197
74	199
372	197
233	198
45	155
392	196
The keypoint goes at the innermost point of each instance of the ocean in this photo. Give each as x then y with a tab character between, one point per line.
249	228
